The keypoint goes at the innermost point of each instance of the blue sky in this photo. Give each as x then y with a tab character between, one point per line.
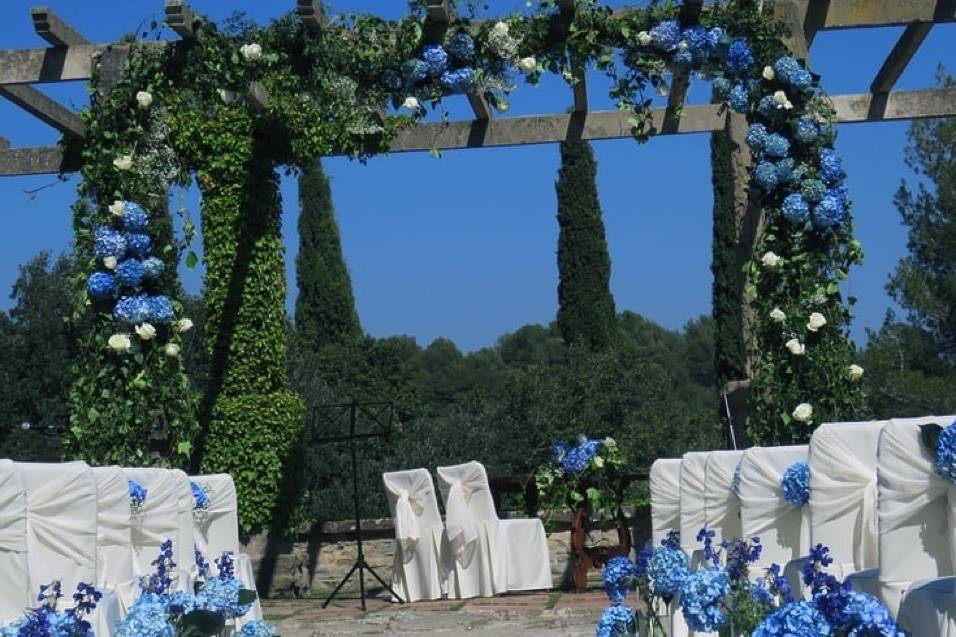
464	246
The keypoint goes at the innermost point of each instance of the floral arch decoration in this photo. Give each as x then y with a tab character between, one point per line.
236	101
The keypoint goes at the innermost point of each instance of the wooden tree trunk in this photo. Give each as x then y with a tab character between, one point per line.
588	557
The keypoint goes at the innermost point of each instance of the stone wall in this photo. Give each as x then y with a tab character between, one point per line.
318	557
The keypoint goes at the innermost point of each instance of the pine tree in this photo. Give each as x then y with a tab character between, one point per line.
586	314
325	309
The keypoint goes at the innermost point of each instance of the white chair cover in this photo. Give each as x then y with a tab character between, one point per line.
488	555
692	480
217	531
15	593
665	498
115	575
721	504
419	569
61	524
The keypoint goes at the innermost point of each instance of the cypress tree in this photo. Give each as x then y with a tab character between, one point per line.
325	309
586	313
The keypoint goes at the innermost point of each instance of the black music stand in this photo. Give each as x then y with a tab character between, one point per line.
380	428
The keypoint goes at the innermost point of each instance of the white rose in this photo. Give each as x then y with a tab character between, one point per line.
500	28
598	461
788	105
780	98
768	73
777	315
109	263
251	52
682	45
144	99
146	331
796	347
183	325
120	343
117	208
643	38
771	259
227	97
123	162
171	350
816	321
803	412
412	103
855	372
610	442
528	65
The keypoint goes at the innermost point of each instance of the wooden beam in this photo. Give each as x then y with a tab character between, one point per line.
181	18
54	29
44	108
479	106
850	14
312	14
900	56
438	17
578	68
895	105
43	160
32	66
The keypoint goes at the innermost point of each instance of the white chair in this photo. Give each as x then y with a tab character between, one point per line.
115	574
692	513
490	556
721	504
419	568
15	593
217	532
665	498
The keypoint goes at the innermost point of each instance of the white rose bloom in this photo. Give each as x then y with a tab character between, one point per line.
610	442
183	325
251	52
816	321
171	350
788	105
796	347
120	343
528	65
777	315
643	38
109	263
771	259
598	461
412	103
227	97
803	412
780	98
768	73
146	331
500	28
117	208
144	99
855	372
123	162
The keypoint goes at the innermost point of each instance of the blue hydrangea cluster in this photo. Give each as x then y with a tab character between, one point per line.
137	494
620	576
130	273
800	619
789	71
739	56
831	168
667	570
787	171
461	48
776	146
806	131
574	458
200	497
415	72
739	98
866	616
813	190
257	628
796	210
666	35
721	87
148	617
702	43
108	243
795	483
701	598
153	268
46	621
221	595
435	58
946	453
141	308
616	620
766	175
138	244
756	137
458	81
101	286
830	212
135	218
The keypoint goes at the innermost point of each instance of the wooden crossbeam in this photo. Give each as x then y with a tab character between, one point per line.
578	69
438	11
900	56
44	108
479	106
181	18
312	14
32	66
54	29
44	160
851	14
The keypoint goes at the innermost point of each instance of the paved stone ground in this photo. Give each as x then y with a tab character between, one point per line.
525	614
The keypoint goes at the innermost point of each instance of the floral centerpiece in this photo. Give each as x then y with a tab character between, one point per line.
46	621
201	502
940	442
585	471
137	496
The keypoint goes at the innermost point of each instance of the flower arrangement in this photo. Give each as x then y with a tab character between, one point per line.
620	577
46	621
617	620
137	496
795	483
584	471
201	502
941	443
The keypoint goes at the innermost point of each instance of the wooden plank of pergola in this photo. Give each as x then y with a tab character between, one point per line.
312	14
181	18
44	108
578	70
900	56
55	30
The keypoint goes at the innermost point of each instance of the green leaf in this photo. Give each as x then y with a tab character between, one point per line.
202	623
247	597
191	260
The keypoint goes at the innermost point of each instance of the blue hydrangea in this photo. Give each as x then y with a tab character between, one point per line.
739	98
667	570
137	494
461	48
13	628
415	72
776	146
801	79
701	598
800	619
138	244
640	564
701	42
768	107
756	137
620	576
813	190
101	286
831	168
806	131
130	272
135	218
131	309
153	268
796	480
785	67
795	209
222	596
182	603
946	453
558	450
160	309
108	243
722	88
577	457
147	618
257	628
739	56
765	174
684	58
665	35
436	59
788	171
830	213
616	620
866	616
458	81
200	497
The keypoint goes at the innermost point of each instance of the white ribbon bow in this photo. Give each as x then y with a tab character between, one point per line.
459	522
409	505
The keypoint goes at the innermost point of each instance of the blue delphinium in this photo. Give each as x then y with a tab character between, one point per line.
159	309
701	598
461	48
135	218
740	554
200	497
785	67
108	243
153	268
831	168
665	35
667	570
160	580
615	621
620	575
778	585
415	72
130	272
226	566
738	98
46	621
137	494
756	137
946	453
458	81
765	174
147	618
776	146
257	628
101	285
800	619
796	211
866	616
796	480
202	564
671	540
138	244
806	131
132	309
640	564
739	56
813	190
830	213
706	537
436	58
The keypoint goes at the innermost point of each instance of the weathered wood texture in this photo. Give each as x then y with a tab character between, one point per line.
44	108
181	18
54	29
312	14
896	62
